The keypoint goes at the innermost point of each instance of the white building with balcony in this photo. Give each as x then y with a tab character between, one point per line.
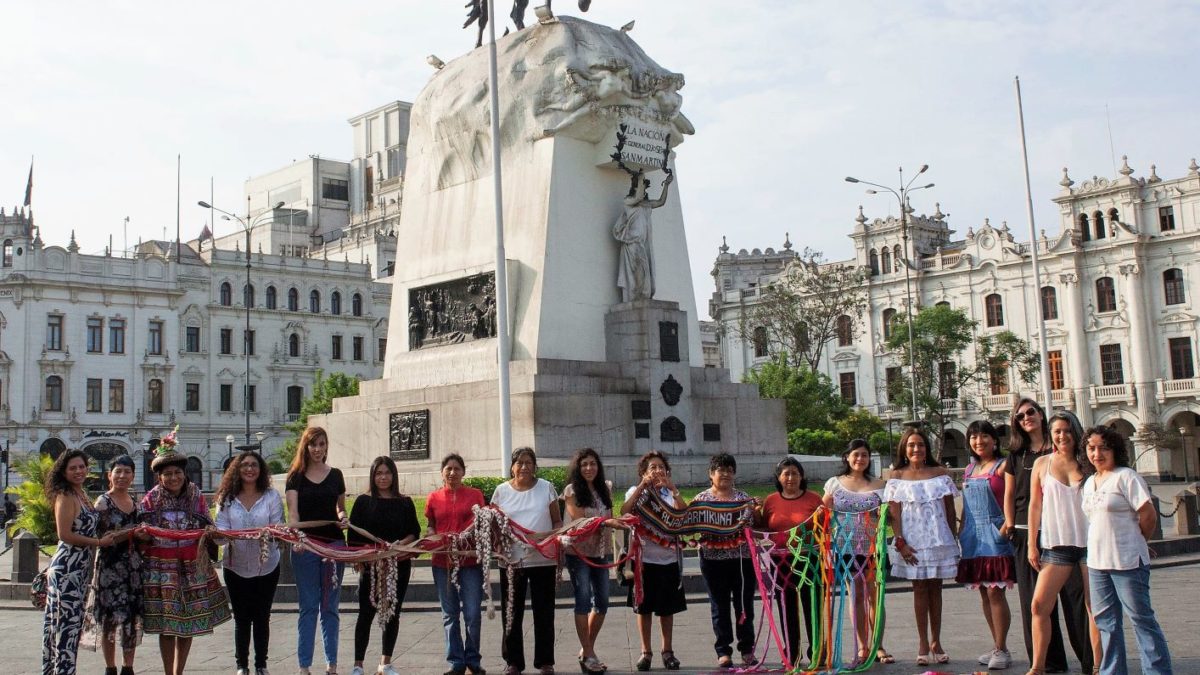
1119	289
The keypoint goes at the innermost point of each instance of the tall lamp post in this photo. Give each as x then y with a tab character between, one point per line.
248	225
901	196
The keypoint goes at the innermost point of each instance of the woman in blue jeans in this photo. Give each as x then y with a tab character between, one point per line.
317	491
449	511
1121	518
589	495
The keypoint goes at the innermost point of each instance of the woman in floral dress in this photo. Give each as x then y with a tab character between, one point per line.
114	604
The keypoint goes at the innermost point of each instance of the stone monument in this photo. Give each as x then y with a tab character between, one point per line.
605	344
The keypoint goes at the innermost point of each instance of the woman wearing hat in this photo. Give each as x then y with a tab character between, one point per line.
183	597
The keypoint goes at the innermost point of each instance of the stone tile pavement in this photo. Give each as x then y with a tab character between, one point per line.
419	649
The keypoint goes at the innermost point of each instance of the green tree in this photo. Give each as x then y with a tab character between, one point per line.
319	402
812	402
858	423
36	515
947	377
813	442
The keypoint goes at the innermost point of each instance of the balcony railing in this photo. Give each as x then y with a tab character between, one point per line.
1186	387
998	401
1112	393
1059	398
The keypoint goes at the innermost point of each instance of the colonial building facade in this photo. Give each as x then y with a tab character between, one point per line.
1118	291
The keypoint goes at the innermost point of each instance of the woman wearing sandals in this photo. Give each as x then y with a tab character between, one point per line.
728	570
920	496
662	585
589	495
853	491
1056	514
987	556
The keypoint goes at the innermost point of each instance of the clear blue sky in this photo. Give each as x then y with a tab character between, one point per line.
787	98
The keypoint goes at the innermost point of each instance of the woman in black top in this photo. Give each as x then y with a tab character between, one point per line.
316	491
392	517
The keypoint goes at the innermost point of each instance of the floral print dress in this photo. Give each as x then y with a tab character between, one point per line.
114	605
66	586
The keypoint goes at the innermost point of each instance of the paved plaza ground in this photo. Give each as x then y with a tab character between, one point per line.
419	649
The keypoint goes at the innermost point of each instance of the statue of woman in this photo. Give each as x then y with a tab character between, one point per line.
635	270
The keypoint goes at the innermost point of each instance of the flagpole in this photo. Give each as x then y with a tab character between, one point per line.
503	347
178	173
1047	403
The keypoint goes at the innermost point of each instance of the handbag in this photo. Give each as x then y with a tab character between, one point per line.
38	588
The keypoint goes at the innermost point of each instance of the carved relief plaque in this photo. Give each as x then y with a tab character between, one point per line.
668	341
712	432
673	430
452	312
641	410
671	390
409	434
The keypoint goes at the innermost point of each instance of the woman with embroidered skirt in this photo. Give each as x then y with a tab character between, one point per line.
987	556
920	496
67	576
662	583
316	491
791	506
1121	518
728	570
387	515
1057	523
448	511
589	495
532	503
246	500
852	495
114	604
183	597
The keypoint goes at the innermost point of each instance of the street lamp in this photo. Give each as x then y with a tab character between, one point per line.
248	225
902	196
230	439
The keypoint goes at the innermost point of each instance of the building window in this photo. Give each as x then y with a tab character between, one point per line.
1098	225
1114	216
226	340
248	342
272	299
993	306
54	332
1106	295
248	295
1049	303
1054	361
886	260
335	303
54	393
332	188
95	335
94	402
226	402
845	331
293	345
116	336
873	263
947	380
1085	227
382	348
889	320
356	304
1182	367
295	398
191	399
1166	218
1111	371
848	387
893	377
357	345
335	350
116	396
1173	285
193	338
250	398
8	253
155	343
226	294
897	257
314	302
998	376
293	300
760	342
154	396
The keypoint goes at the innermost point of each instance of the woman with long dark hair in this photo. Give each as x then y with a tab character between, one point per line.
67	575
1029	440
589	495
920	495
1058	524
317	491
115	599
246	500
388	515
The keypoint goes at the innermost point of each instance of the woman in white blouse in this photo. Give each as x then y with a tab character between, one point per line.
247	500
1120	520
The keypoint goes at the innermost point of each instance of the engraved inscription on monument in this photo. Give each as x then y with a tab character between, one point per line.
452	312
668	341
409	434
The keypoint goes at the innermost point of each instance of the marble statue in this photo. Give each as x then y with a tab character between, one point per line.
478	14
633	229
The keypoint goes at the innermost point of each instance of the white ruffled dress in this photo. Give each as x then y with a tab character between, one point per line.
923	514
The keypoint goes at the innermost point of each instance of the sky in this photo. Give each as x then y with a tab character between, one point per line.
787	96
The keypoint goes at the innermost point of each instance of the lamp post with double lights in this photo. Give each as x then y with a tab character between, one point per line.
248	224
901	196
